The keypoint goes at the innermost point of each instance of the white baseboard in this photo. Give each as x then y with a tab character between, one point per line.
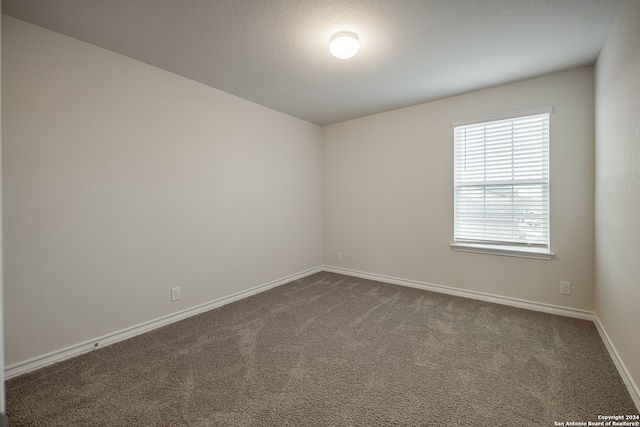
634	391
514	302
78	349
84	347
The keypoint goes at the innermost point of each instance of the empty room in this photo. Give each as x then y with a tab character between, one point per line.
320	213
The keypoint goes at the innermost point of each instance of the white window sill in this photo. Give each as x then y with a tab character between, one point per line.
504	250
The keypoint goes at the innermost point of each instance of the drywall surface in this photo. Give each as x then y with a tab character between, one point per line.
122	181
388	193
2	392
617	201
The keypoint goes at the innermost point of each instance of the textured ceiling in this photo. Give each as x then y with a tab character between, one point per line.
275	52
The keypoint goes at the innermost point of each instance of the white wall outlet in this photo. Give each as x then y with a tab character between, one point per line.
339	256
175	293
565	288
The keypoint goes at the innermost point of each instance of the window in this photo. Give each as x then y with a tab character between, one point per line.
501	185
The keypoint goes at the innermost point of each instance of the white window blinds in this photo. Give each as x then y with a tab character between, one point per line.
502	182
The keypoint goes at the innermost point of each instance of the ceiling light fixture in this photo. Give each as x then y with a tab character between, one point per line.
344	44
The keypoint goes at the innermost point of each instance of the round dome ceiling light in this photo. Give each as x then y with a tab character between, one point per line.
344	45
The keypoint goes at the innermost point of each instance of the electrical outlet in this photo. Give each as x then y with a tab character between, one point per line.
339	256
175	293
565	288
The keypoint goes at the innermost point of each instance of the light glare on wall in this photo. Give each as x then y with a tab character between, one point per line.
344	45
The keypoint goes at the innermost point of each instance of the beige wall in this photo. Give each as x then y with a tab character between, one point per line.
617	201
388	193
2	392
122	180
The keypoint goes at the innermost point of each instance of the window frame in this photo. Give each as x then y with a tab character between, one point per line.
504	248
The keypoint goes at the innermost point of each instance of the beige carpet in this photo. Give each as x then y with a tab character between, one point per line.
331	350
